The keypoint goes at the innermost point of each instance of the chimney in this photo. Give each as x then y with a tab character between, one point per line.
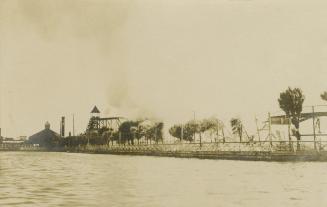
47	125
62	127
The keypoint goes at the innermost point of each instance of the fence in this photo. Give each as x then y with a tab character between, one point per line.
18	146
262	146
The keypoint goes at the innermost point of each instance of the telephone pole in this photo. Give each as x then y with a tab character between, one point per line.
194	130
314	127
269	133
73	125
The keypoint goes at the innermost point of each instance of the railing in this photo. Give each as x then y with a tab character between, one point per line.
263	146
18	146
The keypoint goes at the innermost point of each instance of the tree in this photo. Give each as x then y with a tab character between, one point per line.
193	127
151	130
92	123
291	102
324	96
107	136
126	129
176	131
212	125
237	127
158	135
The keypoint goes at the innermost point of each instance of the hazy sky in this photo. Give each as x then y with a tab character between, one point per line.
156	58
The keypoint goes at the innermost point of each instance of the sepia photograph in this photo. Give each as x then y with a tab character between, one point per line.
163	103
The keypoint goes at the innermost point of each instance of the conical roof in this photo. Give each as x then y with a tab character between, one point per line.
95	110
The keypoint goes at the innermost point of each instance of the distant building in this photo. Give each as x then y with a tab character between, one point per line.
22	138
45	138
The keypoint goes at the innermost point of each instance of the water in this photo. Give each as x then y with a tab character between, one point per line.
67	179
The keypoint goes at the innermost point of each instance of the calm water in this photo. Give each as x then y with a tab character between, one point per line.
64	179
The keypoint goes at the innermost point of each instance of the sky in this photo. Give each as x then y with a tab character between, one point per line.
159	59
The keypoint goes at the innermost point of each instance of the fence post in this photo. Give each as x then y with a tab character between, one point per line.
182	133
269	133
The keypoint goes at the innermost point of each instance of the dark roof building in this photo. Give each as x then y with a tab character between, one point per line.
45	138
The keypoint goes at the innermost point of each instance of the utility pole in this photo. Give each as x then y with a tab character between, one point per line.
218	126
289	133
269	133
73	125
223	134
258	131
194	129
182	133
314	127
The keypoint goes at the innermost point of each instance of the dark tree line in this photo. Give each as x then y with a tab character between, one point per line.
129	132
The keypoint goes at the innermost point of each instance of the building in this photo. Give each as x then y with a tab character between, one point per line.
22	138
45	138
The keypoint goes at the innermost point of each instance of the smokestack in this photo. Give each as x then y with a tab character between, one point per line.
62	127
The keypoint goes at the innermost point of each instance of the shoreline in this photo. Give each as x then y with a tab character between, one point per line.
197	153
223	155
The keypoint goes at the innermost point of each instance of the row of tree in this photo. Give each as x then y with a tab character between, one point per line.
190	129
129	132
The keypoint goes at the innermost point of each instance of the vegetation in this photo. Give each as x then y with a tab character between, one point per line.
127	133
324	96
237	127
92	123
291	102
188	130
182	132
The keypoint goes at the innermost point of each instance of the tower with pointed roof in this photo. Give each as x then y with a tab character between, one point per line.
94	119
95	112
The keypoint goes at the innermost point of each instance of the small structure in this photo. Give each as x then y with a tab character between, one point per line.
45	138
97	123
